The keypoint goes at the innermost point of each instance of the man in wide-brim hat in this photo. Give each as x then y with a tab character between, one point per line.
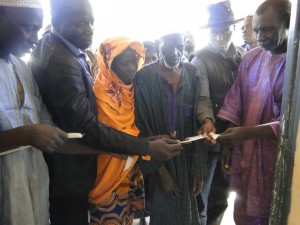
221	23
220	13
219	61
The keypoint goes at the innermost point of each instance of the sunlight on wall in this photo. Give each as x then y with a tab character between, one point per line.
147	20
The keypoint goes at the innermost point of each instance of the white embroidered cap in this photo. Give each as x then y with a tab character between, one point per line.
22	3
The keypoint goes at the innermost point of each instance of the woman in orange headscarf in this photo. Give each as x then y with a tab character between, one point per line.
118	192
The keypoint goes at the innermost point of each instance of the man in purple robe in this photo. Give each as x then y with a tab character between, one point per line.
253	105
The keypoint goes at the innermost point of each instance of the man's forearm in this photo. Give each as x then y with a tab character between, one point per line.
102	137
257	132
235	136
74	147
204	110
13	138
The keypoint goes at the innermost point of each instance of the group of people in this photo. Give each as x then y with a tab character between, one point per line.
133	115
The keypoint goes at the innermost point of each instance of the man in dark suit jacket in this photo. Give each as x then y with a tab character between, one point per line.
64	78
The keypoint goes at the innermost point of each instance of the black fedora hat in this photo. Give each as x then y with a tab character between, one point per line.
220	13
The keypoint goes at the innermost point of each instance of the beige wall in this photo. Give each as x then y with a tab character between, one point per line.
294	217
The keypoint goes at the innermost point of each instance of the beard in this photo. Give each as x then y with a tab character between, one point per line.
171	67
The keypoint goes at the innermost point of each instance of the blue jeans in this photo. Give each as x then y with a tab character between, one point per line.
213	156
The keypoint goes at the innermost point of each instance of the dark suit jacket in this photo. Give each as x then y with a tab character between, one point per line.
66	89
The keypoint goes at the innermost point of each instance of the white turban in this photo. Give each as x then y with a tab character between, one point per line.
22	3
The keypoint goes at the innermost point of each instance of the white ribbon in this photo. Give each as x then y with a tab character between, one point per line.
198	137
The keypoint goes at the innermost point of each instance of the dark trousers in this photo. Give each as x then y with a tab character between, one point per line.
69	211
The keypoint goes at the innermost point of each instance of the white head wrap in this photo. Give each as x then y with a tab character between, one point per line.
22	3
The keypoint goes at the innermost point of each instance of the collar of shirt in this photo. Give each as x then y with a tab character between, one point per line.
76	51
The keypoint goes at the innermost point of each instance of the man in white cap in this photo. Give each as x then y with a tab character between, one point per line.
172	98
24	176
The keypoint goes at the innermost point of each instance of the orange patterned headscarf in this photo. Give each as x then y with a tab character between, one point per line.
115	100
113	47
115	105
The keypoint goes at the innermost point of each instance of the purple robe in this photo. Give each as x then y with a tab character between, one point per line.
255	98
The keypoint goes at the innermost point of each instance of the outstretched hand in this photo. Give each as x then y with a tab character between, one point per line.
164	149
233	136
45	137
